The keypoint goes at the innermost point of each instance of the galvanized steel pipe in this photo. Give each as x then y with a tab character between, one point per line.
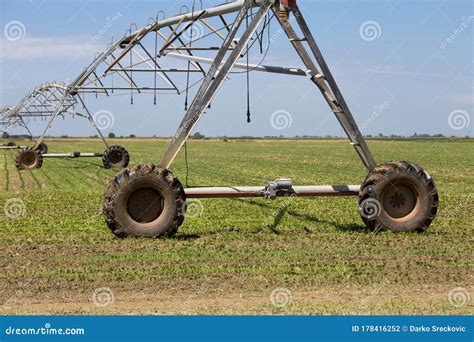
258	191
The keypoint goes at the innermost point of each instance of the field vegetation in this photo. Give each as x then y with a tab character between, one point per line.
232	254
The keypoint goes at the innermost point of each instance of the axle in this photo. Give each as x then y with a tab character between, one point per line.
277	188
73	155
4	147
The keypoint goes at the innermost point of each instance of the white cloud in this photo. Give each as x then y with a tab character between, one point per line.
400	70
466	99
47	48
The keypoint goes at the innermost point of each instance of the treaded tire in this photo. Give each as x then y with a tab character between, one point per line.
144	201
115	157
42	148
400	196
28	159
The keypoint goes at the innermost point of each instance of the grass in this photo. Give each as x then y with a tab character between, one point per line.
231	258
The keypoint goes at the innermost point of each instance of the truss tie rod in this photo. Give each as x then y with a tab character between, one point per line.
253	67
187	48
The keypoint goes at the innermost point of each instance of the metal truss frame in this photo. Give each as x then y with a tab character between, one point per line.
218	74
8	120
123	66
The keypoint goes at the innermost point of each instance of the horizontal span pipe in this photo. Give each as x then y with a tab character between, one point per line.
258	191
251	67
12	147
73	155
186	17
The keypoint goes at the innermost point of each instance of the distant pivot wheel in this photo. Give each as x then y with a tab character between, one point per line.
116	157
399	196
28	159
144	201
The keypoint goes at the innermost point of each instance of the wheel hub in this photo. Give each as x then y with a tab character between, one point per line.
145	205
28	159
116	158
399	201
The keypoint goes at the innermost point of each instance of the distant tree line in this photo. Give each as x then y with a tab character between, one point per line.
199	136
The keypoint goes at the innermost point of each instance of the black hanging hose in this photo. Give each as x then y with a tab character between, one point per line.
265	53
189	62
187	93
248	76
156	66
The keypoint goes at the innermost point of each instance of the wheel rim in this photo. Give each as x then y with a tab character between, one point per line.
28	159
115	158
145	205
401	201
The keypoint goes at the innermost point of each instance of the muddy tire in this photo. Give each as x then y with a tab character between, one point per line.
116	157
399	196
42	148
28	159
144	201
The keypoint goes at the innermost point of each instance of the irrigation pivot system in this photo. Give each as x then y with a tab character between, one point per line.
147	200
7	121
194	53
48	102
159	58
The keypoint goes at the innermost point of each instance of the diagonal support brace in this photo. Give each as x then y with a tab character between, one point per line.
213	82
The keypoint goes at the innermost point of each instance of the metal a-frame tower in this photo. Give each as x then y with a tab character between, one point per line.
147	200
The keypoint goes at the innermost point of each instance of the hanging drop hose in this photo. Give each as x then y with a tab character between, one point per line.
249	120
131	79
156	66
131	71
189	62
112	75
248	76
186	162
265	53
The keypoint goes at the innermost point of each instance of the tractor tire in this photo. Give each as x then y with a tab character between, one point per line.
144	201
42	148
28	159
399	196
116	157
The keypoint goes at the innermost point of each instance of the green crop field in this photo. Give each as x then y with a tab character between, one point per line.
235	256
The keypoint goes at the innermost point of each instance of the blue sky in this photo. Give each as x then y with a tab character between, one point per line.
416	75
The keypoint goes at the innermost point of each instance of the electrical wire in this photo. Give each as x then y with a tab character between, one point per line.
186	163
263	58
